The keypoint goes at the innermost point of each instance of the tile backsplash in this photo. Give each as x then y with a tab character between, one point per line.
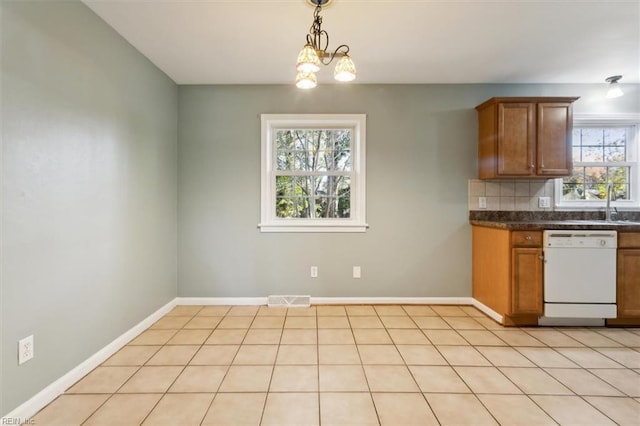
511	195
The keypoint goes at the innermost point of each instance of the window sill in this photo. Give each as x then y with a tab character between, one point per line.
312	228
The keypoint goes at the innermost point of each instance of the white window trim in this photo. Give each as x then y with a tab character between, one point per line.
605	120
269	222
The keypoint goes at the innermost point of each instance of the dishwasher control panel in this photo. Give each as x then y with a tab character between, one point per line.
580	239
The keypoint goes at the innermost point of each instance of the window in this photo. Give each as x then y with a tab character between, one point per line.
605	149
313	173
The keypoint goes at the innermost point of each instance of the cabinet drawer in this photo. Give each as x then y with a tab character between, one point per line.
629	240
526	239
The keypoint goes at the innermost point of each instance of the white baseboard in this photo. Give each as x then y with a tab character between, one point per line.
392	300
237	301
330	300
40	400
487	310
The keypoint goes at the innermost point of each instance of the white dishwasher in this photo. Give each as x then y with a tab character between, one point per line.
580	274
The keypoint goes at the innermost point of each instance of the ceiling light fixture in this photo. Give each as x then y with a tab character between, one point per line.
614	88
314	54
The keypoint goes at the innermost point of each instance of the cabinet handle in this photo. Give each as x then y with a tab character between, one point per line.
528	238
541	257
532	166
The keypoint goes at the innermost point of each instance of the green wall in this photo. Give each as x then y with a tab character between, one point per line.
421	151
89	209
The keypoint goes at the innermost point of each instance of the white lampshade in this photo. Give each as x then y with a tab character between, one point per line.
614	90
345	69
306	80
308	60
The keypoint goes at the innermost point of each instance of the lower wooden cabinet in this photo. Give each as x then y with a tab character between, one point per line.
628	280
526	281
507	273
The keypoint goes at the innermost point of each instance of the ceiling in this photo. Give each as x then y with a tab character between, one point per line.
391	41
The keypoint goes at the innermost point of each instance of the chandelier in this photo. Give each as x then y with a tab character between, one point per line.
315	53
614	90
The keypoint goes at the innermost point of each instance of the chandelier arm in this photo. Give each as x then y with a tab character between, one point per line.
336	53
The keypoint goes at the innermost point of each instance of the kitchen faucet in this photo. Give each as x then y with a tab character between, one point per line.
610	194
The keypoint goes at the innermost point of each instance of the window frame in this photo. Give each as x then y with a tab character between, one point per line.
270	123
607	120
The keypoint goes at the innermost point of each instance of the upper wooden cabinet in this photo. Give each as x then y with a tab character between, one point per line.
524	137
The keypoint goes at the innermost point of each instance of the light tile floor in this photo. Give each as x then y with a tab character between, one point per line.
357	365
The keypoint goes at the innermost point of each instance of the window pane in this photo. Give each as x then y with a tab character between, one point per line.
573	186
313	196
573	191
594	175
620	177
577	176
621	192
615	153
592	154
313	150
592	137
616	136
594	191
575	137
576	154
292	207
332	207
595	179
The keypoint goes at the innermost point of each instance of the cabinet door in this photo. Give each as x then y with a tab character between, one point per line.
516	138
526	281
628	286
553	139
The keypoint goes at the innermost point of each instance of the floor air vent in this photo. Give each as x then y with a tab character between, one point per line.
289	301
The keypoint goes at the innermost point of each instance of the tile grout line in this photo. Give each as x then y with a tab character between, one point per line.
364	371
318	367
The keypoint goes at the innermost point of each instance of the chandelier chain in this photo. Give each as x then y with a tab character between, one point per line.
319	39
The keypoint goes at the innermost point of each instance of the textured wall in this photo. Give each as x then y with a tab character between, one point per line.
89	141
421	151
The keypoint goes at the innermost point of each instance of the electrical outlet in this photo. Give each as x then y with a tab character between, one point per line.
544	202
314	272
482	202
25	349
357	272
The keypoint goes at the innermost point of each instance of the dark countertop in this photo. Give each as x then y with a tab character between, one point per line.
629	221
619	226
